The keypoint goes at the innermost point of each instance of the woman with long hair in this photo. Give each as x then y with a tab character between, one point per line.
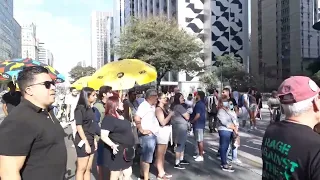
226	127
84	142
179	123
116	133
164	117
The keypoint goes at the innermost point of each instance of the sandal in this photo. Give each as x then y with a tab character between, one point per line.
162	178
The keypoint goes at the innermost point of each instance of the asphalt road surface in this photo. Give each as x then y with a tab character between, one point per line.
249	154
209	169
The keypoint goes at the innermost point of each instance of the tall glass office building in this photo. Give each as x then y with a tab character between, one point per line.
10	32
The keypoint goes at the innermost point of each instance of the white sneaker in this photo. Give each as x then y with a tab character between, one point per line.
255	128
251	127
73	146
199	159
236	161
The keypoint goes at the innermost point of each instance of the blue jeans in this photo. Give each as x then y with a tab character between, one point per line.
148	145
224	142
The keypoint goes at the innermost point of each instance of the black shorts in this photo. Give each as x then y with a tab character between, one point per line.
81	152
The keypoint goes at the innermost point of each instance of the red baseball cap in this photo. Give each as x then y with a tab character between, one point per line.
296	89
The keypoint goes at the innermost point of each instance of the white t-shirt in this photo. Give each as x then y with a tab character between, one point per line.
72	101
149	121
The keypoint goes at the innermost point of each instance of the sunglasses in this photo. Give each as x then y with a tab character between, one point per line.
47	84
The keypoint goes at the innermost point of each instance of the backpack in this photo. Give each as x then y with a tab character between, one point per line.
211	105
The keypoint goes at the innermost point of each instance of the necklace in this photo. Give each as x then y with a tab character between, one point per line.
51	117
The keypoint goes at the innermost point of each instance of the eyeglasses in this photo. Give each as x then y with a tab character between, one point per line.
47	84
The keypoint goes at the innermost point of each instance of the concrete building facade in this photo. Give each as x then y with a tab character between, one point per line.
42	53
283	41
50	58
101	33
10	32
29	42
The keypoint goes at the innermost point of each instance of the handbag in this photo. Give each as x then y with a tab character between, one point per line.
129	154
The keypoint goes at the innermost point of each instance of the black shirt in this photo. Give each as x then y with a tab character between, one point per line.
29	131
120	130
258	97
85	117
11	99
290	151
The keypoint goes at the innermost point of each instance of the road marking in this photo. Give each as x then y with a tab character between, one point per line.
251	147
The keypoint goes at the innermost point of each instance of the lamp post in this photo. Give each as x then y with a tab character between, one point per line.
221	81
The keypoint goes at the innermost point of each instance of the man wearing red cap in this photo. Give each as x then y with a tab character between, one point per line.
290	148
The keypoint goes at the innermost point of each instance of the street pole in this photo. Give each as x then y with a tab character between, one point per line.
264	76
221	78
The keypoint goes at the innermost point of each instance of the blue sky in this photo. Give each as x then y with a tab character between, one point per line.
63	25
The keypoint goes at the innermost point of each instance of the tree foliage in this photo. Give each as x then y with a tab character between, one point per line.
161	43
233	72
316	77
209	80
314	67
78	72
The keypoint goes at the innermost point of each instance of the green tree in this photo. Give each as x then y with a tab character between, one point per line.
233	72
78	72
316	77
161	43
209	80
314	67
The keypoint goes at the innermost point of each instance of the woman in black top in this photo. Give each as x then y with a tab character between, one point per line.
84	142
117	135
163	137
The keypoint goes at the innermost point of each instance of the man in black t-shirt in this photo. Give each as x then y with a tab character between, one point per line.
32	145
10	99
290	148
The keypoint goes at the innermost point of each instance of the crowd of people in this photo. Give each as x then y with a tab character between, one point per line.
119	127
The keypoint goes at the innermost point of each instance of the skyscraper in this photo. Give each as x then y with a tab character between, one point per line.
283	41
42	53
50	58
101	33
29	44
10	32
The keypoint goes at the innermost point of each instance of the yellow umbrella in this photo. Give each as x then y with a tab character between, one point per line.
81	83
124	74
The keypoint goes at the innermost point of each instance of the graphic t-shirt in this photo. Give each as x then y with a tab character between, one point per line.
290	151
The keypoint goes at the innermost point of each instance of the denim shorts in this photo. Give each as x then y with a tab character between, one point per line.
198	134
148	145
